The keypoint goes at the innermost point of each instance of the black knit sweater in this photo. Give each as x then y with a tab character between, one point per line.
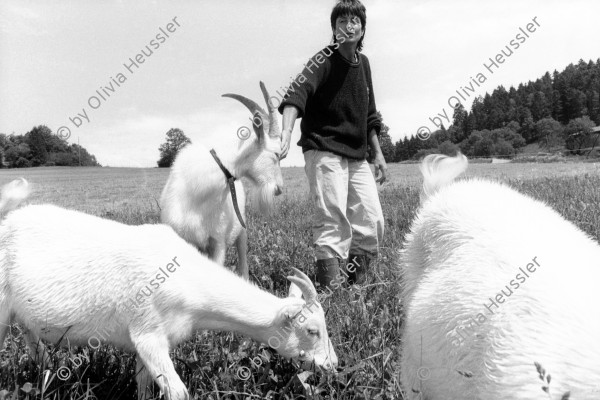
336	103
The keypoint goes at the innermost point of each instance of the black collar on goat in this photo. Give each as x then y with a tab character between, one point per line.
230	179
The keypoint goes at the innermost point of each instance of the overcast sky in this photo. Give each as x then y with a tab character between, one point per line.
55	55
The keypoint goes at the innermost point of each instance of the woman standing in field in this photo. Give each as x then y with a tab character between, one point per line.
334	97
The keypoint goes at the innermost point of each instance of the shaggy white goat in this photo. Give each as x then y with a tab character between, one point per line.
196	200
143	288
495	281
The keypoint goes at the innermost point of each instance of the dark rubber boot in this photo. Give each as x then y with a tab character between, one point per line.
327	271
357	267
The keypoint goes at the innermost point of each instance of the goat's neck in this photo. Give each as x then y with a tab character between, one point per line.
228	159
239	161
236	305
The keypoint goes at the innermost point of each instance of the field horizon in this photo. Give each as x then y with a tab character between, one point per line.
364	326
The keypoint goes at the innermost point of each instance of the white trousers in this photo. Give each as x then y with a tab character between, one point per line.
348	217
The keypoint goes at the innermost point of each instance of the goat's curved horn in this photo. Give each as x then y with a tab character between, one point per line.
255	109
305	284
273	128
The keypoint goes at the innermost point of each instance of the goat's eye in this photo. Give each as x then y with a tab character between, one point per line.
312	331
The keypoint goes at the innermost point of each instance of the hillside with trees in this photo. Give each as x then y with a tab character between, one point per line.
40	147
556	111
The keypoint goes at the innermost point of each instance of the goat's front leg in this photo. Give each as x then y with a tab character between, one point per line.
241	244
145	383
218	251
153	351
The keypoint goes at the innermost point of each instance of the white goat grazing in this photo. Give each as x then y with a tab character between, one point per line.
66	273
495	281
196	200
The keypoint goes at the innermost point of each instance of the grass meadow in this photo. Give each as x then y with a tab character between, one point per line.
364	329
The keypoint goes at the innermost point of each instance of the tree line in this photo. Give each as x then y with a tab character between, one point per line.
557	111
40	147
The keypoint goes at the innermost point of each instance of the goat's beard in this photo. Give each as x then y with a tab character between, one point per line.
264	198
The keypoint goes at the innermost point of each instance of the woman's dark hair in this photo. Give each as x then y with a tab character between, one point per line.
352	8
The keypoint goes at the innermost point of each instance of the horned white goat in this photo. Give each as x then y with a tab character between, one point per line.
495	281
66	273
196	200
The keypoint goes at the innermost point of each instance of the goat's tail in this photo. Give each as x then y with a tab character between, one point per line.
13	193
439	170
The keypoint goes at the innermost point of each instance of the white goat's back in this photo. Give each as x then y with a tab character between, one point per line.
191	205
91	275
466	246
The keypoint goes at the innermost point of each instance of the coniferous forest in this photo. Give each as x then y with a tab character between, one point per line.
558	111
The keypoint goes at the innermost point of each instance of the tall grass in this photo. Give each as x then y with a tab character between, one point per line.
364	325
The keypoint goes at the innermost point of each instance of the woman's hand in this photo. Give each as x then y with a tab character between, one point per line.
290	113
378	159
286	136
380	165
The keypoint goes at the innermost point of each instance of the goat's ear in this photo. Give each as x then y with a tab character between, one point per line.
258	124
300	279
290	310
294	291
